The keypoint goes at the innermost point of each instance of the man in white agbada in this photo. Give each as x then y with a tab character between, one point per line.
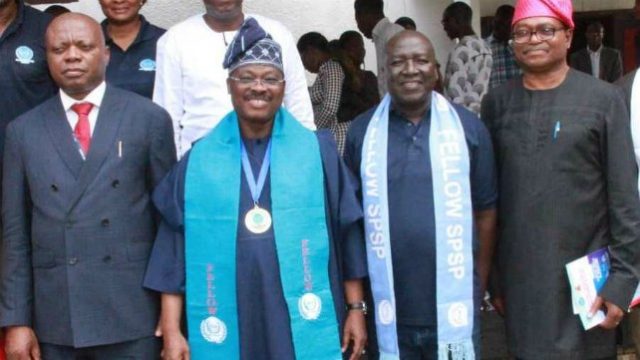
374	25
191	83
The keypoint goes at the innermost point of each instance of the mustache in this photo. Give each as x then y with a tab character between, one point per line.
262	97
534	48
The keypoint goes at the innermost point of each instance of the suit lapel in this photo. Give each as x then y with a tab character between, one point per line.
102	141
62	136
604	64
588	65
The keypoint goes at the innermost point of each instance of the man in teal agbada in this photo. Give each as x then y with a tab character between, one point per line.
261	230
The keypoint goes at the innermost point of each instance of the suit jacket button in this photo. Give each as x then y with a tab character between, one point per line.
104	222
73	261
54	187
115	183
106	258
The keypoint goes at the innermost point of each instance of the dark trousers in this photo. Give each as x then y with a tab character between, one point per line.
142	349
417	342
414	342
421	342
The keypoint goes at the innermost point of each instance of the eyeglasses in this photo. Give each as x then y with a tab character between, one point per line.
251	81
523	36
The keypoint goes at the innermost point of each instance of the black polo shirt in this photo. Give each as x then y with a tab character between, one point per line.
411	212
24	75
135	68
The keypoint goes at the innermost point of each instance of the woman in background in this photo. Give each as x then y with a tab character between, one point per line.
132	41
361	88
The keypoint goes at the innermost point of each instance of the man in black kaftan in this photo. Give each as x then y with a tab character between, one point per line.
567	185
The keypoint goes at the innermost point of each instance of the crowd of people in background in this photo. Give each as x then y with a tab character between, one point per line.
184	193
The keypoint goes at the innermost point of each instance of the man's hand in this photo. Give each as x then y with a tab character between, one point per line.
21	344
354	330
175	346
613	313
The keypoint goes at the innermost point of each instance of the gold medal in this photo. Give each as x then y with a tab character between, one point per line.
257	220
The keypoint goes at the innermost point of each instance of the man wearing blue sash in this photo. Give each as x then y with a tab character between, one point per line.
261	236
429	191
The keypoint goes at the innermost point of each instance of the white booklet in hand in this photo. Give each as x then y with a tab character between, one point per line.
587	275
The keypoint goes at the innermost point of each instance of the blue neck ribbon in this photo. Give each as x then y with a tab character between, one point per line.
255	186
212	195
453	236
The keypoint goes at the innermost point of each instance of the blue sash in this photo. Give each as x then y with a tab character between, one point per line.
454	230
299	224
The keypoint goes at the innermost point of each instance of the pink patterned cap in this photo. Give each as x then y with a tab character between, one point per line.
558	9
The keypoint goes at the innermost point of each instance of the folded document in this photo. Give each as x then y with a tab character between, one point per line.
587	275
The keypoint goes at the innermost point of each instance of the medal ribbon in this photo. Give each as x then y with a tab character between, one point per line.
256	187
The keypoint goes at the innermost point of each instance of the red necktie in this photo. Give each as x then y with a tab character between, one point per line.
83	129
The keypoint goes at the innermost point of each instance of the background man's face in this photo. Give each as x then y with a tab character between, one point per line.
412	70
256	102
538	55
223	10
450	26
76	54
365	24
594	37
311	59
502	26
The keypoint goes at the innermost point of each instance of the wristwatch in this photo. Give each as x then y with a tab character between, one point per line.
360	305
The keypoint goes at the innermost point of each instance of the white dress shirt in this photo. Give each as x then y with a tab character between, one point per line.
595	61
95	98
382	32
191	82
